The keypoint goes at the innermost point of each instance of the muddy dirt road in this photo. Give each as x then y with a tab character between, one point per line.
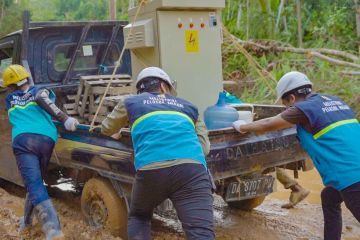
269	221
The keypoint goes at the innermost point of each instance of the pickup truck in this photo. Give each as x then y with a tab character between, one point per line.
243	166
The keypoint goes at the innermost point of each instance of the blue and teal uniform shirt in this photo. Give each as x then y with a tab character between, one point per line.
333	143
26	116
163	129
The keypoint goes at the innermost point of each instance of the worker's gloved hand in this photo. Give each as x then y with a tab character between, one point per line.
71	123
237	125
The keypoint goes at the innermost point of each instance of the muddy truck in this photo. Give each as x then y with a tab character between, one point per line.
101	168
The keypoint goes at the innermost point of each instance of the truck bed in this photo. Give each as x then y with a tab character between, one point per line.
231	154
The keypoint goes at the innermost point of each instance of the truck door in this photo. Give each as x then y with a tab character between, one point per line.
8	166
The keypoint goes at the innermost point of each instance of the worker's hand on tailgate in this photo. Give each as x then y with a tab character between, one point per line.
116	135
237	125
71	123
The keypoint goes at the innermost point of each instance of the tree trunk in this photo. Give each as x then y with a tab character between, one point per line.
229	11
309	52
239	13
2	9
357	8
247	18
112	9
299	25
285	24
281	6
271	29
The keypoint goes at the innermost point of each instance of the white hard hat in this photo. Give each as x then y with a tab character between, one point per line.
291	81
155	72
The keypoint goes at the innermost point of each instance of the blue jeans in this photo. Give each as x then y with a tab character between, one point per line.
33	152
189	188
331	200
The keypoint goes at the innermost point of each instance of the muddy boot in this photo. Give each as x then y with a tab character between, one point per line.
284	178
26	220
49	220
298	194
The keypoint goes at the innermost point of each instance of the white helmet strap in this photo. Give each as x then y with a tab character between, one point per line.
22	82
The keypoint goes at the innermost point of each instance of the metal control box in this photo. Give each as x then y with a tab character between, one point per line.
142	34
187	45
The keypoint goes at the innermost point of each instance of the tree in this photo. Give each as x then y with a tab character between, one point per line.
357	9
238	17
5	4
299	24
281	6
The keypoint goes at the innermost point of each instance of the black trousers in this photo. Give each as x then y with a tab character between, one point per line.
189	188
331	200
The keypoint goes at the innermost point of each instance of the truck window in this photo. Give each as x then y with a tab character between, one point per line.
6	59
89	57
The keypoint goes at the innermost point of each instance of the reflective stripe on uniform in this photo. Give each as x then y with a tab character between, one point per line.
22	107
140	119
334	125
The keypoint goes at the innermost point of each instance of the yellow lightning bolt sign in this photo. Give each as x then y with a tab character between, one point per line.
192	41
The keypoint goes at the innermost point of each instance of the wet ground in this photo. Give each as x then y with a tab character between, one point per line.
269	221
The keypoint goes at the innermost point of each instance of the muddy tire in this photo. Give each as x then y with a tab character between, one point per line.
247	204
103	208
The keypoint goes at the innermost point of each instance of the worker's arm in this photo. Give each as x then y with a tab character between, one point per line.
202	133
116	120
286	119
43	99
266	125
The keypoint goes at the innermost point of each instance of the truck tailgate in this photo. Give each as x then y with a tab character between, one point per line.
234	154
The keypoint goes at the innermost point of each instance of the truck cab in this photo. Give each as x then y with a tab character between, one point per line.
57	54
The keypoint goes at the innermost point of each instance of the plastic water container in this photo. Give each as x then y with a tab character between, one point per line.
220	115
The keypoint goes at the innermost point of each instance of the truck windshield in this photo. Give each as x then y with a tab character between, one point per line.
88	58
5	59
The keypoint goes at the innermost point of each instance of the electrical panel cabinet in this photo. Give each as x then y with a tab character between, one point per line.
187	38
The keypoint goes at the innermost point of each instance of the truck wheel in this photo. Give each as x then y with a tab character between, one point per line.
247	204
103	208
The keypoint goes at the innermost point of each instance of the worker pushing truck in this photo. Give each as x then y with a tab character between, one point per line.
243	166
170	143
329	131
34	135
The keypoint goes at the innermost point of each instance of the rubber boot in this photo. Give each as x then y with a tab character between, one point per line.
298	194
49	220
26	220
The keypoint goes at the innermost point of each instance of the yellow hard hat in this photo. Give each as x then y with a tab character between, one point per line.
14	74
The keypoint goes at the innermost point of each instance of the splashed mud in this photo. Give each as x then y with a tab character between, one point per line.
269	221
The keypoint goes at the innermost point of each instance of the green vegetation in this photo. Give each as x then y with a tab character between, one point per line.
324	24
55	10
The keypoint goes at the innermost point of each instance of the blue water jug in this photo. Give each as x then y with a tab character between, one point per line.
220	115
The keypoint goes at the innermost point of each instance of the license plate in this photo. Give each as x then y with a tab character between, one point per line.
250	188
